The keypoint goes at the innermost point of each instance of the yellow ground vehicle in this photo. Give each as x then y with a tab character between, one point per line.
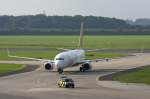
65	82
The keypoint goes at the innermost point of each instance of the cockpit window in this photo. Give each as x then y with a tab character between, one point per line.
59	58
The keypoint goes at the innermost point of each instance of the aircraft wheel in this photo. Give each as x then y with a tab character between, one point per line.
72	86
60	71
82	69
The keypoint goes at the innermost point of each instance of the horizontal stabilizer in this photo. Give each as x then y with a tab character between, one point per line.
95	50
64	49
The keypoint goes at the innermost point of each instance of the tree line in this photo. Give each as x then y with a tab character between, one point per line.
66	25
71	22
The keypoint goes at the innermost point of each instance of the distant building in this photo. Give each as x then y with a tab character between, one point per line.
141	22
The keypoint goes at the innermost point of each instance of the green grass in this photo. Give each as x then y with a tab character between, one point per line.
138	76
92	42
7	68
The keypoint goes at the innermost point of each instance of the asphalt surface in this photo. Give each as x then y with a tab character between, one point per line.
42	84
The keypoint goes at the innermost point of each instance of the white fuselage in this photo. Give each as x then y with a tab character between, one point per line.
69	58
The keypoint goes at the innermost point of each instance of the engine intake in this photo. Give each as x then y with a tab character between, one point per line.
48	66
85	67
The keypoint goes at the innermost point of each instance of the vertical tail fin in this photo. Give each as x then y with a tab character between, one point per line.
81	36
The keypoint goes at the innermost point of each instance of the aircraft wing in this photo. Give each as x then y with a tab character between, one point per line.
97	60
36	59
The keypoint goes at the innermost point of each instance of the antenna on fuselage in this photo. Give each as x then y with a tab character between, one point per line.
81	36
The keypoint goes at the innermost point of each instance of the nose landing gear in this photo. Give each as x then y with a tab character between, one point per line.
60	71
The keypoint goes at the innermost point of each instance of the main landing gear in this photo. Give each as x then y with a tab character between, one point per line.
82	69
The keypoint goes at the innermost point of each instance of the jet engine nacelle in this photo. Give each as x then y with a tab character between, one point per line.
87	66
49	66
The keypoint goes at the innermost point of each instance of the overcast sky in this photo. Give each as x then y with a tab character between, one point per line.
109	8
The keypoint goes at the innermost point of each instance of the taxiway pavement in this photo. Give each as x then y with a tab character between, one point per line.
42	84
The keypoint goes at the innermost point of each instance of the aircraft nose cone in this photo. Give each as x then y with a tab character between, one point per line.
58	64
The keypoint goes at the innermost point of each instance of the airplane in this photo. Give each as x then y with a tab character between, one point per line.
68	58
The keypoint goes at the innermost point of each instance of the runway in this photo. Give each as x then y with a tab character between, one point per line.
41	84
